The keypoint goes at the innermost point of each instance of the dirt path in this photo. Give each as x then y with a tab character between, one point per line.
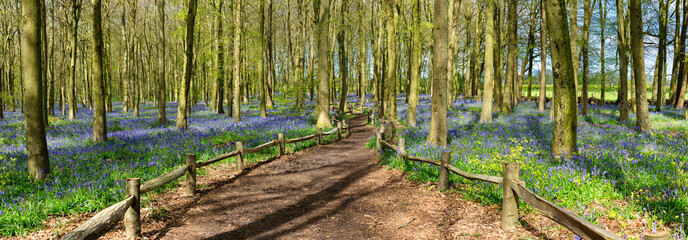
332	191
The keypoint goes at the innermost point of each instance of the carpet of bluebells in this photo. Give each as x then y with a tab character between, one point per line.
88	176
615	165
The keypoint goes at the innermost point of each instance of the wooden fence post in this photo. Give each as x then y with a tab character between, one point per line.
348	128
191	174
319	136
658	236
132	217
378	139
444	170
282	147
240	155
339	130
510	199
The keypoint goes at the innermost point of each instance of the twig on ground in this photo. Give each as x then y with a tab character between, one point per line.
406	224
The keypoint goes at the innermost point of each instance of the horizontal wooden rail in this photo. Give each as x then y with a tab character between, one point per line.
260	148
166	178
567	219
332	131
218	158
101	222
309	137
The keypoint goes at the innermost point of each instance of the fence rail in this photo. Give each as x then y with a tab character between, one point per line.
129	208
513	190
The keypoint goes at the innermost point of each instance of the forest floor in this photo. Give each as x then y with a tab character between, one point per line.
337	191
332	191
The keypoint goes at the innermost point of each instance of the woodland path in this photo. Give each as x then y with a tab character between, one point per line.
333	191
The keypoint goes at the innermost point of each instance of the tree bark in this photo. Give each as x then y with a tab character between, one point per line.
237	61
488	87
437	134
565	121
99	118
584	51
507	105
623	63
543	58
642	116
415	66
322	11
76	12
162	116
343	59
188	60
603	75
659	97
391	62
573	18
36	143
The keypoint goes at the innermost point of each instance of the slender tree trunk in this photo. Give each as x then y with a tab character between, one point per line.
182	109
76	12
507	106
452	46
623	63
497	57
437	134
415	66
391	63
270	83
343	59
603	75
678	51
237	61
486	114
584	51
36	143
573	18
99	122
643	121
219	38
162	116
565	121
663	9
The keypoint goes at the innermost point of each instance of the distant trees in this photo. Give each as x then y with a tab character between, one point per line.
32	68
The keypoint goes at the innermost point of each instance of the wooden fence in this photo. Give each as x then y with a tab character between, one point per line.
513	190
130	208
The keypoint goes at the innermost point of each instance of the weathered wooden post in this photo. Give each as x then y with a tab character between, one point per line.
378	140
319	136
346	126
510	176
191	174
401	145
658	236
444	170
132	217
339	130
282	147
240	155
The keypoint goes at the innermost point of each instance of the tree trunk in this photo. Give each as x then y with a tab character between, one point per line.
663	9
270	83
343	59
322	11
584	51
573	17
603	75
643	121
678	52
391	63
219	81
188	61
565	121
36	143
237	61
162	116
76	12
437	134
486	113
414	82
623	63
497	57
261	66
511	59
99	118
